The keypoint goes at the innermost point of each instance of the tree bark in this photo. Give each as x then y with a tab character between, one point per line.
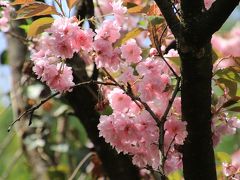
198	154
17	54
193	35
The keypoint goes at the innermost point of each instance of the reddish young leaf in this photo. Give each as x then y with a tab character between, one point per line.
20	2
35	9
71	3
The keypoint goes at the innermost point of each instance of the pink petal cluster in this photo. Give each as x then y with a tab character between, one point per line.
228	44
223	124
66	38
131	129
135	134
5	12
54	46
109	30
232	170
131	52
119	11
107	34
56	74
208	3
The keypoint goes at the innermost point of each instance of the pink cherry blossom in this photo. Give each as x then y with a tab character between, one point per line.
131	52
63	81
5	15
118	100
119	11
173	162
208	3
109	31
228	44
175	128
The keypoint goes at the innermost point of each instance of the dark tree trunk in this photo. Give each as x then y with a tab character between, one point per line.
193	33
198	154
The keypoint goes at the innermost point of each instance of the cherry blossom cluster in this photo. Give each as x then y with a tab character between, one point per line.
232	170
224	124
5	11
130	128
228	45
54	47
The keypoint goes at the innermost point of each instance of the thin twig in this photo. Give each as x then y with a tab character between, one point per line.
169	147
33	108
158	45
164	117
129	92
20	38
60	7
12	163
80	165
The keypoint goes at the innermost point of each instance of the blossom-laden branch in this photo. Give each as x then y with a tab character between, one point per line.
164	117
31	110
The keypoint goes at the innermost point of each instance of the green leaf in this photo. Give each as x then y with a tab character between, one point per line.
25	27
4	57
229	84
155	20
175	60
175	176
235	109
78	130
223	157
231	101
230	73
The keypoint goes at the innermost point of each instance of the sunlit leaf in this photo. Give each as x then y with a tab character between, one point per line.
155	20
138	9
175	176
35	9
230	73
71	3
39	26
25	27
24	2
223	157
175	60
132	34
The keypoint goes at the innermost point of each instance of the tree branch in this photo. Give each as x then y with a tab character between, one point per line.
167	10
191	8
215	17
